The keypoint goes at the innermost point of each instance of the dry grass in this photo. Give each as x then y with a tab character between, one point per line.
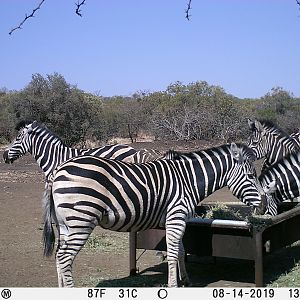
223	212
107	242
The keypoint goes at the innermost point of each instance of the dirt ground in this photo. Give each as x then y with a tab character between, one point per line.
21	252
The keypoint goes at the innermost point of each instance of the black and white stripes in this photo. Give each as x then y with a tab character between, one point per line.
281	182
296	137
270	142
88	191
49	151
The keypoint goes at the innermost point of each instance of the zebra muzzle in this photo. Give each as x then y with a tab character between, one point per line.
7	160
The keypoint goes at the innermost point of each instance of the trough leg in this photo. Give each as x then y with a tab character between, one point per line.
132	252
259	278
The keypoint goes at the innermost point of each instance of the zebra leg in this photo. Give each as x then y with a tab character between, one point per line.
59	242
59	276
183	273
69	246
175	227
64	262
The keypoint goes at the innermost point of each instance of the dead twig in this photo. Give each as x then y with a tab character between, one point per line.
187	11
27	17
78	12
78	5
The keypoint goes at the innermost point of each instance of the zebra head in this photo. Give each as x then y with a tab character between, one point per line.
242	179
270	188
22	143
271	142
257	139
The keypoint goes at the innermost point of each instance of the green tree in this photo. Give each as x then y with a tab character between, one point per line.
59	105
7	118
280	107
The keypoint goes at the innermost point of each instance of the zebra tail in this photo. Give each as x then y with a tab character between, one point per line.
49	214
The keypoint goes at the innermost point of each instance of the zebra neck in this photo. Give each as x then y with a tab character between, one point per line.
207	175
278	147
50	152
286	174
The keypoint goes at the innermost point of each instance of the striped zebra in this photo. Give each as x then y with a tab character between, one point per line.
87	191
270	142
296	137
49	151
281	182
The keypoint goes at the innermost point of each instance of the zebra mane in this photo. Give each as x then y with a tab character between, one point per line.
45	128
22	124
248	153
270	125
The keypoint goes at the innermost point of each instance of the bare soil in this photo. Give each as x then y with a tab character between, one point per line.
21	251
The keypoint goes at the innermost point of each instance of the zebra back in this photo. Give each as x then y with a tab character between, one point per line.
49	151
145	155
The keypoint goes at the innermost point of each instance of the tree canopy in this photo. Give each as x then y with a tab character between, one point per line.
181	112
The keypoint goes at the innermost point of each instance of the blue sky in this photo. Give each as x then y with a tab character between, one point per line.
119	47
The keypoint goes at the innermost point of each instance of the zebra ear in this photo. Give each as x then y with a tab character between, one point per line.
251	124
236	152
270	188
258	126
29	128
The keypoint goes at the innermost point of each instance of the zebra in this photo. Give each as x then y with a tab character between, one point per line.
270	142
296	137
49	151
87	191
281	182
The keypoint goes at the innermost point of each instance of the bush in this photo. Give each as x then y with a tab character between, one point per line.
60	106
181	112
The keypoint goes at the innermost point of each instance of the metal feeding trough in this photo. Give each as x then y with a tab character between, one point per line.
227	238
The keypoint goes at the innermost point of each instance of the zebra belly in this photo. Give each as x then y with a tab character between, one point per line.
81	211
85	206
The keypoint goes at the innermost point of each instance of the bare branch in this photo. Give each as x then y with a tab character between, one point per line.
78	12
187	11
27	17
78	5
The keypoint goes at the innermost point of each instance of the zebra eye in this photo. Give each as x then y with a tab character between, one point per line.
254	142
251	176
